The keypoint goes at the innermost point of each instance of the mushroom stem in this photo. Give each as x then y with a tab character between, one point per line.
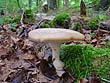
55	46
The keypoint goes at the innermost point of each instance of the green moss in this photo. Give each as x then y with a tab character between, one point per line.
77	26
51	24
82	60
107	45
59	19
28	12
28	16
93	24
45	26
48	24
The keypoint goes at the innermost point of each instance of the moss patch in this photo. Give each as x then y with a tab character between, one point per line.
83	60
60	18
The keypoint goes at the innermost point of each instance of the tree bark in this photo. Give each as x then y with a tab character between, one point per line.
82	8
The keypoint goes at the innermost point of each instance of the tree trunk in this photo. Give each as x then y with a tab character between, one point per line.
59	4
65	3
82	8
52	4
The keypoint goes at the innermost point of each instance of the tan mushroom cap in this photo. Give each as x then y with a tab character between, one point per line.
54	35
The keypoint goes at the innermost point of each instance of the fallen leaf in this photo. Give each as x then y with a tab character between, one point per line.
83	80
88	38
48	69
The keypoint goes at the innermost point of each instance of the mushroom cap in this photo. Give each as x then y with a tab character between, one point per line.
54	35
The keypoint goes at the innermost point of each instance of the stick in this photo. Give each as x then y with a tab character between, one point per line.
21	21
105	80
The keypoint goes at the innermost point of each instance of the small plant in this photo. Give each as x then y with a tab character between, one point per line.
13	26
8	19
16	19
94	22
92	34
102	17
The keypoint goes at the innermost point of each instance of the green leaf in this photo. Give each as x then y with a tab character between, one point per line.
102	17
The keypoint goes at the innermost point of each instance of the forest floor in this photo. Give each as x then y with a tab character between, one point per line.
21	60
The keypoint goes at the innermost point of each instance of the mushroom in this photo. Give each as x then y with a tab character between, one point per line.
54	37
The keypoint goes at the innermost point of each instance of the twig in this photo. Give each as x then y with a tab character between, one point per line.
21	21
22	26
40	22
105	80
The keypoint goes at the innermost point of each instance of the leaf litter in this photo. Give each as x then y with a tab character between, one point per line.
24	61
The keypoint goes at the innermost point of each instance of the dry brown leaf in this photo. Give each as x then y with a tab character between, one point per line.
86	31
88	38
3	52
15	39
94	40
83	80
94	80
5	72
27	56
